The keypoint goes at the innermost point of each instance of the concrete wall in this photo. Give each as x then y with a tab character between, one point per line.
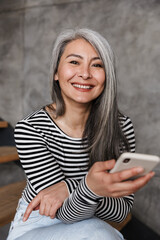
27	32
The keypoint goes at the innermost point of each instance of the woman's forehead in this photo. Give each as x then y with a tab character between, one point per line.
80	45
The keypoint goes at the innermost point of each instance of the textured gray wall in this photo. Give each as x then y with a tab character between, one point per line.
27	32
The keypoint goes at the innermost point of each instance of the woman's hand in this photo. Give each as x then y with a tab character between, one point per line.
48	201
114	184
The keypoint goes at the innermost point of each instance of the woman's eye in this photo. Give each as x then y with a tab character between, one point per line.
74	62
98	65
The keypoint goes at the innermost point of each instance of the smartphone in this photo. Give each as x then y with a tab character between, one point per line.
129	160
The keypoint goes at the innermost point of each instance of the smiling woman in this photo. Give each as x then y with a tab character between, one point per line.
68	147
80	73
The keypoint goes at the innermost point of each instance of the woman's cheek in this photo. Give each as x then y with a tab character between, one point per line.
67	74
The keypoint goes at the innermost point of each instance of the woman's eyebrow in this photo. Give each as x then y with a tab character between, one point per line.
74	55
79	56
96	58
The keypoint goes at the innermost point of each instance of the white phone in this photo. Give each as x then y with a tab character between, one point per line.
129	160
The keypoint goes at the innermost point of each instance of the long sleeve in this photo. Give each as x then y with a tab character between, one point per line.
40	166
80	205
116	209
36	158
83	203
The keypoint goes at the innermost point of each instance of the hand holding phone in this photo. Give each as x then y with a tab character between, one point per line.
129	160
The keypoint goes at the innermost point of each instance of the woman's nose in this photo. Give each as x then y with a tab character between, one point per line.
84	72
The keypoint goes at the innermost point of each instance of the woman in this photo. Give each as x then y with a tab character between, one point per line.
68	147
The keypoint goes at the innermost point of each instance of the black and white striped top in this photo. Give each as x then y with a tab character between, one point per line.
49	156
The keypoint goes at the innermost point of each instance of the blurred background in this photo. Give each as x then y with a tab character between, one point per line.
28	29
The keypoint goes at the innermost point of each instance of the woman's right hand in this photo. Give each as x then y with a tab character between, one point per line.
48	201
106	184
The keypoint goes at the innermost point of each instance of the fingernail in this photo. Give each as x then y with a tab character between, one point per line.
24	219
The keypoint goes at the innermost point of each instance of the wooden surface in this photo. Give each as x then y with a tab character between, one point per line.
9	196
3	124
119	226
8	154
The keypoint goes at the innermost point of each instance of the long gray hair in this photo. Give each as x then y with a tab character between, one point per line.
102	128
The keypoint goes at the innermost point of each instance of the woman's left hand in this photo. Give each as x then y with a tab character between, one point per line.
48	201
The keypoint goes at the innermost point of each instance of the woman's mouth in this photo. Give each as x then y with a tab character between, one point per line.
82	86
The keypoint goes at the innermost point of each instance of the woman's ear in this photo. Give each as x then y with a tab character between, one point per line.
56	77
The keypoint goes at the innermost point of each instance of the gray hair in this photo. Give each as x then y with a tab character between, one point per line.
104	112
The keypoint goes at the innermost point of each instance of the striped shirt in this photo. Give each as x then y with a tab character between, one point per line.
49	156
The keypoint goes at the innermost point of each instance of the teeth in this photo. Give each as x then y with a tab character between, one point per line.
82	86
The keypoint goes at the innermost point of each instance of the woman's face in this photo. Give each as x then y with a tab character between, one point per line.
80	73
